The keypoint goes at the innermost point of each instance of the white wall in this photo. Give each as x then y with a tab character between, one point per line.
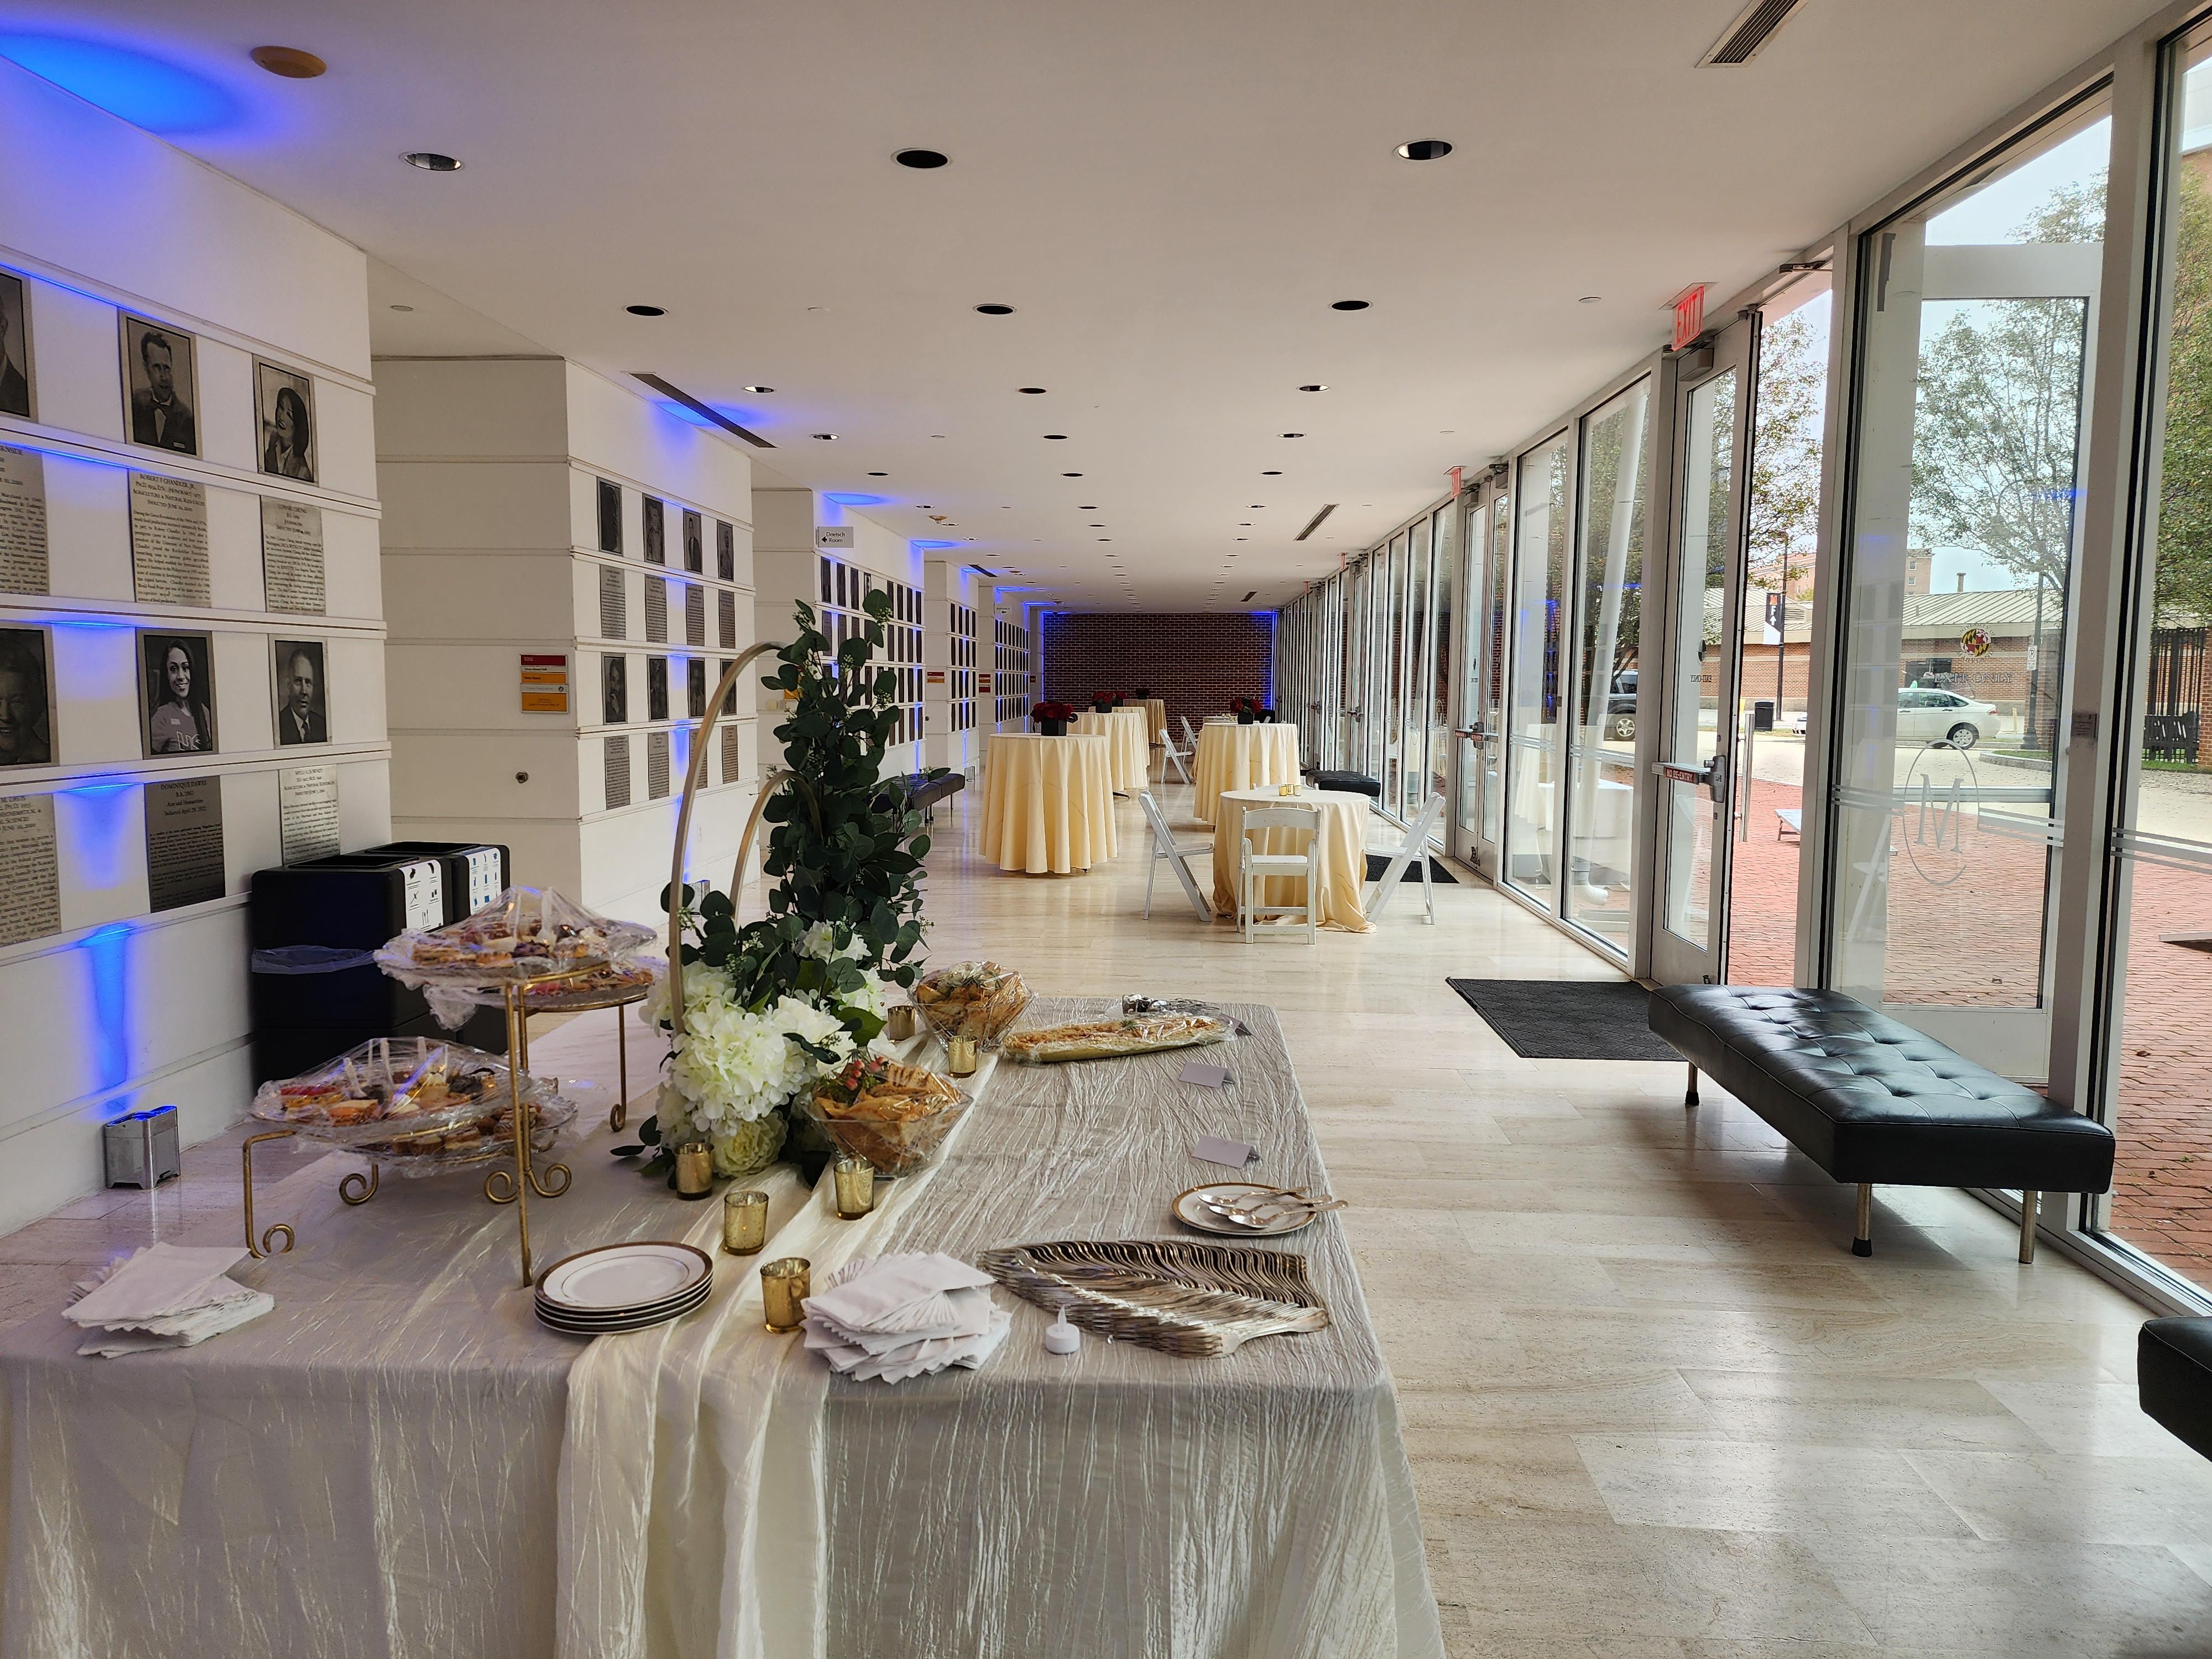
124	1010
490	469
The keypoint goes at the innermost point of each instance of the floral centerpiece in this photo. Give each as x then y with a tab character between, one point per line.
1052	718
1246	709
772	1006
1104	703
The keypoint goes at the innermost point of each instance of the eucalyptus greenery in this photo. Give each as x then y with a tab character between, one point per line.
844	854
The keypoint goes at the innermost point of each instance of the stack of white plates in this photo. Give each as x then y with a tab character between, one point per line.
624	1287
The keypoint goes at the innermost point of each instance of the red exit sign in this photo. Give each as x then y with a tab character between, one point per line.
1689	315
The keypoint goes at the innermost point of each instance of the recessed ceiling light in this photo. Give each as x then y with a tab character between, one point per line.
760	390
645	310
1033	390
1313	388
1071	475
402	307
879	475
1589	299
923	158
1056	436
1425	150
1098	526
1271	473
996	310
430	161
1105	539
1348	305
1294	435
824	437
290	62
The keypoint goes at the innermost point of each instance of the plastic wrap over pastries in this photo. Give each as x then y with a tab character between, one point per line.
1106	1039
525	933
411	1103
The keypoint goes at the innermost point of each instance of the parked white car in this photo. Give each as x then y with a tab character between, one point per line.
1925	715
1795	721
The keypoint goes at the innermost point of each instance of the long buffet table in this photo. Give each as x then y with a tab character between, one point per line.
400	1460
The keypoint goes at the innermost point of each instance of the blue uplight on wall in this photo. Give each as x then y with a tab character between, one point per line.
107	948
933	546
853	498
144	90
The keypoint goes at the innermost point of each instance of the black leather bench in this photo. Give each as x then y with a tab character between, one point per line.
924	791
1353	783
1874	1103
2173	1377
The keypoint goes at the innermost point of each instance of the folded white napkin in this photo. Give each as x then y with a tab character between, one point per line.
165	1296
898	1316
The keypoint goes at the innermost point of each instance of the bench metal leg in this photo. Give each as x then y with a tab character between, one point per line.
2030	1203
1690	1095
1863	1244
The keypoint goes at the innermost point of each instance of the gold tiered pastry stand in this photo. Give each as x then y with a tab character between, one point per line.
501	1185
627	997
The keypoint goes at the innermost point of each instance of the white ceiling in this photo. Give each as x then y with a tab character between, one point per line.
1170	193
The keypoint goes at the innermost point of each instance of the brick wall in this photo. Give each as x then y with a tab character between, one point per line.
1196	662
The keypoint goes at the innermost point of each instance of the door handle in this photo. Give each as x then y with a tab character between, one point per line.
1713	775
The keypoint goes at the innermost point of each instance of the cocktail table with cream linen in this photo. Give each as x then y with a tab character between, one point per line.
1156	718
1343	854
1047	803
1232	757
1123	728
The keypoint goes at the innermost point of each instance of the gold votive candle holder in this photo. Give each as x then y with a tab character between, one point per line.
745	1221
695	1171
899	1024
784	1285
852	1182
960	1055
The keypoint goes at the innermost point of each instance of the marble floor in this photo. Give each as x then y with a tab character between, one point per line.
1655	1408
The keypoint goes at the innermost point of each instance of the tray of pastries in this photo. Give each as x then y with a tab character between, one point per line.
1109	1039
894	1115
412	1103
525	934
977	999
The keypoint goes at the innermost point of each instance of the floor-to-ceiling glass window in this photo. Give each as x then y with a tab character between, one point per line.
2161	1089
1496	619
1977	308
1411	727
1384	716
1440	743
1540	574
1609	583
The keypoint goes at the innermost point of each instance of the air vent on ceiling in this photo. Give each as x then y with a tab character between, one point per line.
1314	523
704	411
1247	599
1741	40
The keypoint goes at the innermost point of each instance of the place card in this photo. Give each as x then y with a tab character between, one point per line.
1206	1075
1234	1153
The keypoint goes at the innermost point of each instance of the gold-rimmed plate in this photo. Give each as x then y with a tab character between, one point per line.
1240	1195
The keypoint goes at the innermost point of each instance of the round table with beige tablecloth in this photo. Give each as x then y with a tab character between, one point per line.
1241	757
1047	803
1156	718
1343	854
1124	729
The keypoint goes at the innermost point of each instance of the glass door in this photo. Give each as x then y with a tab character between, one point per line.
1705	633
1482	736
1534	751
1977	316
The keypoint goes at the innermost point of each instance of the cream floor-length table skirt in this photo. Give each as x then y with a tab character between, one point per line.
1124	729
1343	874
1234	757
1049	803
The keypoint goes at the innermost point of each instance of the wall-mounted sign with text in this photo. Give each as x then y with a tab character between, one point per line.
829	535
544	682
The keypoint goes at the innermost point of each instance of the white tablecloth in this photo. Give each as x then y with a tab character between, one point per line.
1233	756
1342	874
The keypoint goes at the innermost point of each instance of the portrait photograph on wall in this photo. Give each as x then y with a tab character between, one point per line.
161	386
284	409
656	530
176	693
656	688
609	494
614	690
15	346
302	693
27	696
694	543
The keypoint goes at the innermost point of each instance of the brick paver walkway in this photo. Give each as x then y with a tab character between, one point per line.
1978	941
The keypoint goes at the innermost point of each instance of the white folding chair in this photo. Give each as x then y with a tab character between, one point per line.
1189	734
1255	867
1175	756
1416	846
1165	847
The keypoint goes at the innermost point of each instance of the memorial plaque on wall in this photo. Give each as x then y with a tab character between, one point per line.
184	841
656	610
618	771
168	541
307	811
726	620
23	567
614	611
732	756
695	614
656	765
292	556
30	897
